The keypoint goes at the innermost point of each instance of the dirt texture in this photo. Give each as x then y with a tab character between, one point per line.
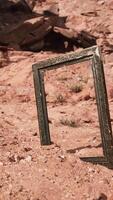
29	171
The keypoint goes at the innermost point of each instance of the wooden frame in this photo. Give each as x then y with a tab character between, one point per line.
93	54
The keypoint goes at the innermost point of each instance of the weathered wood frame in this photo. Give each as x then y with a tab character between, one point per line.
93	54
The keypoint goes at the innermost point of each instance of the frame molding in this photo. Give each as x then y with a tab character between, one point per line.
93	54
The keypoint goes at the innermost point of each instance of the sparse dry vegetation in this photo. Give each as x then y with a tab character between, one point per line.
63	77
60	98
29	171
76	88
69	122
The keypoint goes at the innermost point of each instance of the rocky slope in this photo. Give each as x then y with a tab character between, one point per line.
27	170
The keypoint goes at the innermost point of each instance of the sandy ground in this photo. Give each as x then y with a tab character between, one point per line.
31	172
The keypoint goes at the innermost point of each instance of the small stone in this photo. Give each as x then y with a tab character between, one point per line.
102	196
101	2
62	157
35	134
28	158
27	149
91	170
18	158
12	158
87	97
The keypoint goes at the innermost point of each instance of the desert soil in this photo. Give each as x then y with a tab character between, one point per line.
29	171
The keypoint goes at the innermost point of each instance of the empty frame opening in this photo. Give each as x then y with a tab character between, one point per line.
72	109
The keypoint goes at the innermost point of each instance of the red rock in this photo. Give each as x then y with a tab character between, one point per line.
31	3
19	33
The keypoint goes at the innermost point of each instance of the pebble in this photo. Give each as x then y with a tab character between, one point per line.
28	158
